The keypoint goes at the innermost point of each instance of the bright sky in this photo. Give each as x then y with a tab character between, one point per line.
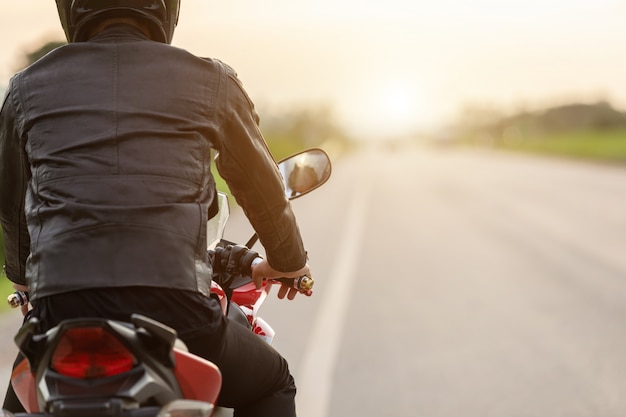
389	66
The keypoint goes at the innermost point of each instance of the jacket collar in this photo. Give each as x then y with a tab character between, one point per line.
119	32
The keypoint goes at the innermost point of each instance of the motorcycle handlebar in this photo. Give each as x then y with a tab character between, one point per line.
238	259
303	284
232	258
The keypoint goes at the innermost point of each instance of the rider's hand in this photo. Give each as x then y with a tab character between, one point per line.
263	270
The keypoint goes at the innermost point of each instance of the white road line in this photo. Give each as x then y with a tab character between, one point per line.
315	376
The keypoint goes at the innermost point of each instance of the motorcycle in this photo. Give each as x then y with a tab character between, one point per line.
106	368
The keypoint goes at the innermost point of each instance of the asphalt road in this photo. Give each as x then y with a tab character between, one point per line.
478	284
458	283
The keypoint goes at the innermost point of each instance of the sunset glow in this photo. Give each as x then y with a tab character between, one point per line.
389	66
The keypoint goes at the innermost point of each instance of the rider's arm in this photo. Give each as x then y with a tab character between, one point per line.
14	176
246	164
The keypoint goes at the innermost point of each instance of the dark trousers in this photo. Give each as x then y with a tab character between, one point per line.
256	378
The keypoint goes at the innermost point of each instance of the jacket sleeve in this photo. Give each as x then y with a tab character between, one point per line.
247	166
14	176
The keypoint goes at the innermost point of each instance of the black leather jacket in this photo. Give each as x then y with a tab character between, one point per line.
105	155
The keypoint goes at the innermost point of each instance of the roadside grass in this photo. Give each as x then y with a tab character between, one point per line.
6	287
598	145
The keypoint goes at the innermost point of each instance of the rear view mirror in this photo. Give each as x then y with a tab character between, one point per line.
304	172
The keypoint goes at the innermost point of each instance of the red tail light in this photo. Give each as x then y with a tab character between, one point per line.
91	353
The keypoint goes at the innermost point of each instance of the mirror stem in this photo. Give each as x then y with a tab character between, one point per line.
252	241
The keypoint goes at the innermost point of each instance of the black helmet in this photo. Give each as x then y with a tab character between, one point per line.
77	16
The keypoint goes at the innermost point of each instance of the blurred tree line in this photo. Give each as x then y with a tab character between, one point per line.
486	126
302	128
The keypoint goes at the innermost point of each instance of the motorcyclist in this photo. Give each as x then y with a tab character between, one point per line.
105	189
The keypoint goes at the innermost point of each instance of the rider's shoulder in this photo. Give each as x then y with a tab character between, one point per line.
228	70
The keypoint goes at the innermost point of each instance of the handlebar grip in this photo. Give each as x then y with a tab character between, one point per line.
17	299
304	283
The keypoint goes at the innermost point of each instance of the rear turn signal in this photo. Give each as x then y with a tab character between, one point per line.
91	352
